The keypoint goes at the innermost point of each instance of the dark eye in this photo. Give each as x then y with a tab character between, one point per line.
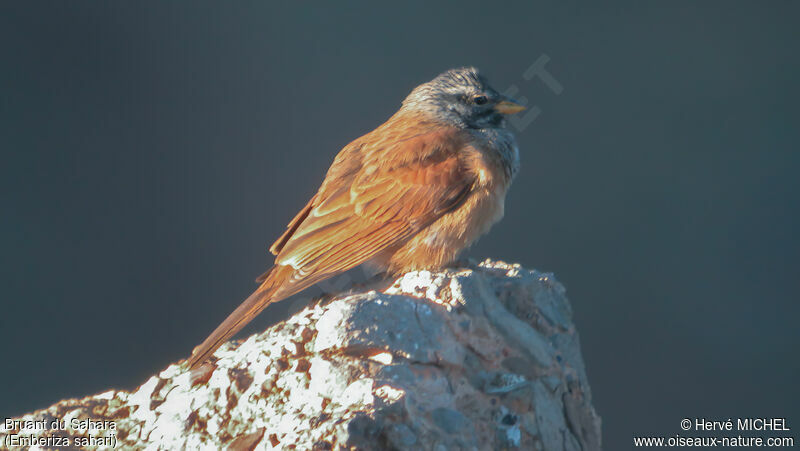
480	100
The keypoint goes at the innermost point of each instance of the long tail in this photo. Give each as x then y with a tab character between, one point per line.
268	292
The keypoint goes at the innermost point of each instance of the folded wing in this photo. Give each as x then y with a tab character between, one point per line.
375	206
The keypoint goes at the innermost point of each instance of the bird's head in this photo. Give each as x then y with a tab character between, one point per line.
462	97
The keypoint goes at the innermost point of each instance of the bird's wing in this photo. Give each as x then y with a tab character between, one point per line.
389	195
293	224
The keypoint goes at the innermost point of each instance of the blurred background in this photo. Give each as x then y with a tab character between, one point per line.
152	153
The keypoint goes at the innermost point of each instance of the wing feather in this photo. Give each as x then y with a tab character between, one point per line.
290	229
361	211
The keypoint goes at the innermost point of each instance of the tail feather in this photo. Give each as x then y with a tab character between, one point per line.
264	295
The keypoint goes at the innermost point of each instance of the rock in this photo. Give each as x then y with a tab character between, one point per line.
449	420
484	357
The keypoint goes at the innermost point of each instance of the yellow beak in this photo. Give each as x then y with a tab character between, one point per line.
508	106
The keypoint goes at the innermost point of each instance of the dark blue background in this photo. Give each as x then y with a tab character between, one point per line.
151	153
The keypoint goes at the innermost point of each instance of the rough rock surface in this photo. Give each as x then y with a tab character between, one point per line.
479	358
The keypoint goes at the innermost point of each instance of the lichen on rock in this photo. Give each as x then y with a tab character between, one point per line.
484	357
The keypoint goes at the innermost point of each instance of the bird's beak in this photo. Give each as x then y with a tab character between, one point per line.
508	106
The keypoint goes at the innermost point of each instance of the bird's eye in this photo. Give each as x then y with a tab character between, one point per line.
480	100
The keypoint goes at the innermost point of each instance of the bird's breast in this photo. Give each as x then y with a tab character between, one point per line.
442	241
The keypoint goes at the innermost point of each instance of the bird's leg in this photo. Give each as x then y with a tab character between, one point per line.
463	262
380	281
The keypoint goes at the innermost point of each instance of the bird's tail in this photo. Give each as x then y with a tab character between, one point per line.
267	293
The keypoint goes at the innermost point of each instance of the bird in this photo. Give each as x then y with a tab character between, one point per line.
412	194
